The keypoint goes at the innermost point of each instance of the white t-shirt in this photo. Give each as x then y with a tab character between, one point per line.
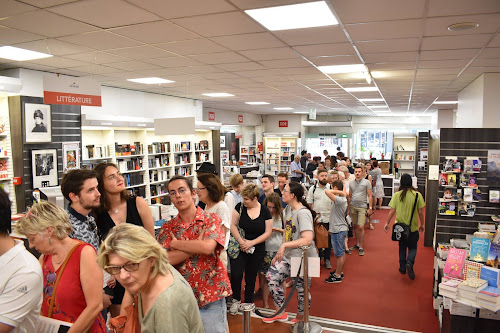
222	210
21	284
321	203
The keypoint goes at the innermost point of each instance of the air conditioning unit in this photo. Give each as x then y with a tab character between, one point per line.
10	85
327	123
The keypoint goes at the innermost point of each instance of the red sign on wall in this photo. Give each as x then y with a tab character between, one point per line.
240	119
211	116
283	123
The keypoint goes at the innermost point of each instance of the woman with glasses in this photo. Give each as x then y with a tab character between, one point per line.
273	243
256	221
72	280
118	207
165	300
299	231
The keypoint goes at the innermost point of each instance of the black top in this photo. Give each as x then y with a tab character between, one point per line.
105	223
303	161
254	228
310	169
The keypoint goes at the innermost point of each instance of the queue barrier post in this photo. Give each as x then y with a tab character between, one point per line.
247	309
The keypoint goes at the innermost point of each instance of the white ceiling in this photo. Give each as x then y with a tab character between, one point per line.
213	46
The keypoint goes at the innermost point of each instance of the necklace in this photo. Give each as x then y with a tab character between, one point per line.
116	210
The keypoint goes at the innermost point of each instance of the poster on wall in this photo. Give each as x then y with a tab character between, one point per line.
424	154
37	123
71	156
222	141
493	172
44	167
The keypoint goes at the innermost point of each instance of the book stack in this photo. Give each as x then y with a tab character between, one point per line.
449	288
489	298
469	289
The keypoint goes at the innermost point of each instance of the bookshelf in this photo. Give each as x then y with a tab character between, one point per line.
278	152
6	164
147	161
404	153
248	154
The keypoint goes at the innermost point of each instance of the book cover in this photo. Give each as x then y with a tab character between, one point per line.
449	194
448	165
476	194
479	249
468	165
473	284
452	179
494	256
455	263
492	275
467	194
457	166
463	180
467	209
458	195
491	291
447	208
477	165
472	270
494	196
443	180
472	181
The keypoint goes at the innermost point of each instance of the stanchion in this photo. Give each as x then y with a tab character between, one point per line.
306	326
247	309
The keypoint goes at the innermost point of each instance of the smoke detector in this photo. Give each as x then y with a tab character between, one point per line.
463	26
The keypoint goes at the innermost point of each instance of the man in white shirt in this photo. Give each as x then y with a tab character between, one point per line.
21	281
321	204
296	170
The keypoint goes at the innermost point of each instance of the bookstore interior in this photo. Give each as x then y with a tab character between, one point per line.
53	120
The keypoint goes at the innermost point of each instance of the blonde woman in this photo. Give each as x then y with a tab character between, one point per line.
78	296
166	302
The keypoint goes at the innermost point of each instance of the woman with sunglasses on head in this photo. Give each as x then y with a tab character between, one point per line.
72	280
299	231
118	207
256	221
165	300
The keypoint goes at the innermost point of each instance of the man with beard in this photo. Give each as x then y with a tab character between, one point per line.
320	203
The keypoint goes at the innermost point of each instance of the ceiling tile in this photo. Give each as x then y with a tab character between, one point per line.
100	40
495	42
371	58
448	54
333	61
373	11
490	52
219	75
54	47
155	32
438	26
460	63
192	47
141	52
455	42
385	30
161	72
260	40
174	9
132	65
173	62
47	3
46	24
388	45
11	8
200	69
383	66
219	58
241	66
97	57
221	24
285	63
298	71
270	54
10	36
320	35
251	4
58	62
320	50
105	14
453	7
95	69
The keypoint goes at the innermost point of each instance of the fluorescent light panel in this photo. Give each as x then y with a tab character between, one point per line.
445	102
340	69
361	89
377	106
298	16
18	54
218	95
371	99
150	80
283	109
301	112
256	103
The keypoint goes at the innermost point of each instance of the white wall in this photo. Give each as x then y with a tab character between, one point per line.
231	117
491	100
294	123
470	105
446	118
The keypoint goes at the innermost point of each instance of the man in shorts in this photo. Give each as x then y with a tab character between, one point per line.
359	190
338	229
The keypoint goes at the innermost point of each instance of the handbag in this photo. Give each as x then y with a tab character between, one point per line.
400	230
320	236
129	322
233	248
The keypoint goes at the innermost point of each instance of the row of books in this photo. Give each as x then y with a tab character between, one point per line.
157	189
159	147
467	194
130	164
159	175
476	290
183	146
95	151
159	161
183	171
138	191
128	149
202	145
403	157
202	157
132	179
450	179
471	164
481	253
182	159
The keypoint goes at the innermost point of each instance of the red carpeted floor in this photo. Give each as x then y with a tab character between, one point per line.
373	291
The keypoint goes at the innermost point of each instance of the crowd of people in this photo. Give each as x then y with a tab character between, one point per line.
100	257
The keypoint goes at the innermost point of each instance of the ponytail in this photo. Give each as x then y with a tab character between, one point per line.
297	190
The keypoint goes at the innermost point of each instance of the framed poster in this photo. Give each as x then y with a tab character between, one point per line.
71	155
37	123
493	170
44	167
222	141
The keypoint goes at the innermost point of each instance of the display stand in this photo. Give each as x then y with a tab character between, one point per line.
278	154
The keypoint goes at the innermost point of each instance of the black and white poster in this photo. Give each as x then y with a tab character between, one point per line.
44	167
37	120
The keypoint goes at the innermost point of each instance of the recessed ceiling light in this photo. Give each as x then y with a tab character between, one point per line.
445	102
361	89
150	80
283	109
298	16
256	103
463	26
301	112
371	99
218	95
18	54
377	106
339	69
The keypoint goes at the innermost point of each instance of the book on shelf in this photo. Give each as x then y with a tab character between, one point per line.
494	256
479	249
477	164
4	169
492	275
455	263
489	298
476	194
463	180
472	181
449	288
467	194
448	164
472	270
467	209
473	285
443	179
451	179
468	165
447	208
450	194
203	145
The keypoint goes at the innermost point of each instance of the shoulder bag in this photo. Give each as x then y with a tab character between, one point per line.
400	230
233	248
320	234
129	322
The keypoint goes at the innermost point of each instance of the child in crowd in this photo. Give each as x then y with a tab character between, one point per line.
236	182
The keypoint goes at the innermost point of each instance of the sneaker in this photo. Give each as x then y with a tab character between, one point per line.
371	226
328	265
282	317
361	252
348	252
411	273
234	307
334	279
402	270
333	274
354	248
294	321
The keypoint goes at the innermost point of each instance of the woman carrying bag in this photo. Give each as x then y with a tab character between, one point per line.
406	204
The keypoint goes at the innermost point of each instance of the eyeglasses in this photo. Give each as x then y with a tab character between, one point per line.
115	176
180	191
286	191
129	267
201	188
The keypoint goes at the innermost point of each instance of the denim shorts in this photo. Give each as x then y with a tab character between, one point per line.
338	243
214	316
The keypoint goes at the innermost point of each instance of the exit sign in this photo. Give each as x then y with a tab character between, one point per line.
211	116
240	119
283	123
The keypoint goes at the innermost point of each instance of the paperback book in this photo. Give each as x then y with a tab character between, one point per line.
452	179
477	165
463	180
476	194
450	194
468	165
443	179
472	181
492	275
472	270
447	208
494	256
470	288
457	166
467	194
467	209
479	249
448	164
489	298
455	263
